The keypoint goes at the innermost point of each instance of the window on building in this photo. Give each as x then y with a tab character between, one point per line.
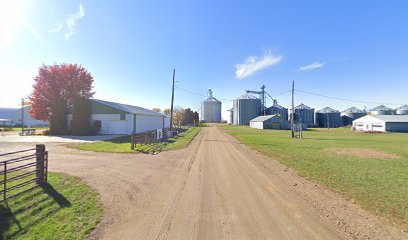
122	116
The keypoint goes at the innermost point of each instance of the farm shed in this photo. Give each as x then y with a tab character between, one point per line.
117	118
269	122
382	123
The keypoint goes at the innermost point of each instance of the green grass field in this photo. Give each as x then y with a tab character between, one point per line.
66	208
122	144
376	178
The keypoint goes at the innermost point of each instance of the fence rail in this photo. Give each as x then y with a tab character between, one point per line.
23	172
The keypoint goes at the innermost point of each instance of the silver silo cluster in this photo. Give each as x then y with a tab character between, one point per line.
304	115
328	118
381	110
246	108
351	114
210	109
277	109
403	110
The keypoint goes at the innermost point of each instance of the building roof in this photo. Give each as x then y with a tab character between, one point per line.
327	110
392	118
405	107
381	108
303	106
247	96
277	106
129	108
353	110
211	99
264	118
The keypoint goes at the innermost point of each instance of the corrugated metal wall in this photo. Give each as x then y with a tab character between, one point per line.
245	110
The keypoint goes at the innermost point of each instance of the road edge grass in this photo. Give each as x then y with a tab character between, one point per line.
366	191
122	144
65	208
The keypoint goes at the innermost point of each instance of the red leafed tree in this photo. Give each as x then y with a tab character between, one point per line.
67	81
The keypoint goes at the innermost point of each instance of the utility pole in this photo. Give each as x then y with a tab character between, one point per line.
292	119
172	101
22	116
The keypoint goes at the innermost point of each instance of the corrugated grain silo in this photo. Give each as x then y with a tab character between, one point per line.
231	116
277	109
381	110
403	110
304	115
211	109
328	118
351	114
246	108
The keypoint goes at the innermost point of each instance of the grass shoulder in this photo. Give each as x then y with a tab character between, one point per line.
65	208
371	169
122	144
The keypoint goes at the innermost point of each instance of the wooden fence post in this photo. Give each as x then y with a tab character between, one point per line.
39	166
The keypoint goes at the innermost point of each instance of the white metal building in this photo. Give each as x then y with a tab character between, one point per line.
13	115
382	123
117	118
269	122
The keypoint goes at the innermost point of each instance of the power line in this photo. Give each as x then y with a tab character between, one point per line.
198	94
346	99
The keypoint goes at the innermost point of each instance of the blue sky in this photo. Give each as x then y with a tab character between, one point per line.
347	49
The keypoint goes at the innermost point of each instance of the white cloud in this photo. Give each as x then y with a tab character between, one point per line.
253	65
71	22
310	67
57	28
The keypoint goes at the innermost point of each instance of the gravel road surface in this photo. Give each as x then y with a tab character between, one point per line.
216	188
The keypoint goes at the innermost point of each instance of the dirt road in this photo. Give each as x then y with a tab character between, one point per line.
216	188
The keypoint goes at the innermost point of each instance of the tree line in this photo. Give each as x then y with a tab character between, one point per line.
181	116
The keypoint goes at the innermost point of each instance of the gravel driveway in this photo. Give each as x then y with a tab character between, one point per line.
216	188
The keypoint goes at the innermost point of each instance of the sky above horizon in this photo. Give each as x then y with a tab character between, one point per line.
354	50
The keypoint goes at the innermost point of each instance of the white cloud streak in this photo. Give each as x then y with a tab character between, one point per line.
310	67
71	22
253	65
57	28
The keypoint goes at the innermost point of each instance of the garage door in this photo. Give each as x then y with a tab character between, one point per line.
117	127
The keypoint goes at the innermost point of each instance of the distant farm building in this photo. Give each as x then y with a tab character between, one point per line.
117	118
382	123
210	109
269	122
304	115
351	114
328	118
12	117
246	108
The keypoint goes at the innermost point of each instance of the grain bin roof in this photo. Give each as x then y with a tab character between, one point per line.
353	110
303	106
405	107
247	96
211	99
327	110
392	118
277	106
381	108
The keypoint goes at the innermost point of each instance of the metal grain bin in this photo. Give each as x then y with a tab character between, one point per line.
277	109
328	118
351	114
246	108
211	109
304	115
381	110
231	116
403	110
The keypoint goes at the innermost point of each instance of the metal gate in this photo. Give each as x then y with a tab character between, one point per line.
20	174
